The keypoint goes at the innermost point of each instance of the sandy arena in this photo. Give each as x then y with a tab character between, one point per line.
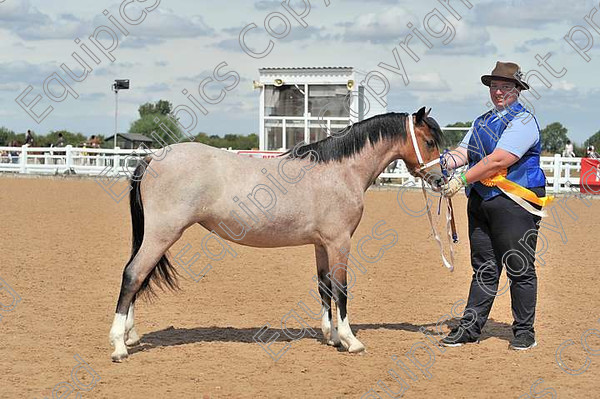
64	244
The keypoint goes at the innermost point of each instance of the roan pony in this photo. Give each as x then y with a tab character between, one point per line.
196	183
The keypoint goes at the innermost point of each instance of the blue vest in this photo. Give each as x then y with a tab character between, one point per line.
487	130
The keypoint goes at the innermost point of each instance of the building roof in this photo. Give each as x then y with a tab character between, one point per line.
308	68
131	137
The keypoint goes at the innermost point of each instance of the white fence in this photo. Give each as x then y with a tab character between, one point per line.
111	162
559	170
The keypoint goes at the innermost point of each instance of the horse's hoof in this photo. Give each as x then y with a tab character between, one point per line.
132	338
356	347
335	343
132	342
119	357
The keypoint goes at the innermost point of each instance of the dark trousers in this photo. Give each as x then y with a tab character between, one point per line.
495	228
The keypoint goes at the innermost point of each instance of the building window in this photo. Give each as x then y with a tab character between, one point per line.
328	100
294	133
274	133
287	100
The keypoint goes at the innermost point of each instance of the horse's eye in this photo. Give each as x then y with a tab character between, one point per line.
430	143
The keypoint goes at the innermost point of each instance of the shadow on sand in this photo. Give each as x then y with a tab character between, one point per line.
181	336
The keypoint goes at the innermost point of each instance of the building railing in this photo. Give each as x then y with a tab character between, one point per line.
121	162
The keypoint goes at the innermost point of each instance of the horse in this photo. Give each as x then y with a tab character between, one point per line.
194	183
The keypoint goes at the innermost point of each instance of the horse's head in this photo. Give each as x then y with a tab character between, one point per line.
422	154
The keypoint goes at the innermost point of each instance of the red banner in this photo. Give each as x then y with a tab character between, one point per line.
589	181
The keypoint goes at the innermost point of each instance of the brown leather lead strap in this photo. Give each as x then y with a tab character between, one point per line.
452	222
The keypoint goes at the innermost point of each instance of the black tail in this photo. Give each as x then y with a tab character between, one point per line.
163	274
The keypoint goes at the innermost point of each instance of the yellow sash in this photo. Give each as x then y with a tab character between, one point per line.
513	188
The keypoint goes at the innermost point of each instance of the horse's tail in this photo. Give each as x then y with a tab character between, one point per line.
163	273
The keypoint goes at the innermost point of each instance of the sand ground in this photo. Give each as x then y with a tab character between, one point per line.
64	242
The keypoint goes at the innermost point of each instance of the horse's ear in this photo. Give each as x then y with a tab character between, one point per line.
421	115
427	113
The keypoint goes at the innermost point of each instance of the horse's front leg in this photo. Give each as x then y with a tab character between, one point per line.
340	294
330	334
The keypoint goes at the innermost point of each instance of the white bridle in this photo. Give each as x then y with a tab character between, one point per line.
422	165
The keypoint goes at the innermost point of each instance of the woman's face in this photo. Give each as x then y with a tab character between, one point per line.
503	93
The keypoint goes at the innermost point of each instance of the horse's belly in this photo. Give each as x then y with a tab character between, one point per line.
264	233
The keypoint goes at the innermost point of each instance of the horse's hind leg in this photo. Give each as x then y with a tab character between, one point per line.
329	332
340	293
140	267
131	336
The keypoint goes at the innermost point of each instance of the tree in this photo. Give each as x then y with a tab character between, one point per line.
236	142
6	136
152	116
147	124
162	107
593	140
452	138
74	139
554	137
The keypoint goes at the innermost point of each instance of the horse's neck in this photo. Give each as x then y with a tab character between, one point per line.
371	162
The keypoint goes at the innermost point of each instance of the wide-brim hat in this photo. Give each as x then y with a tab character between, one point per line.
507	71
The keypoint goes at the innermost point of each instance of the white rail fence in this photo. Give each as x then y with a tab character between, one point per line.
112	162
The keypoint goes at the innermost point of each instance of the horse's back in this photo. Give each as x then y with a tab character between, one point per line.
280	204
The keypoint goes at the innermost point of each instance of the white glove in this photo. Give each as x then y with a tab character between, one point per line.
452	187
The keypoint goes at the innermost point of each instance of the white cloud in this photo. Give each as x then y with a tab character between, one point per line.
25	72
531	13
385	26
471	39
29	23
563	85
181	41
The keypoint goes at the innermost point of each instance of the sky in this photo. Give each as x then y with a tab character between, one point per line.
174	45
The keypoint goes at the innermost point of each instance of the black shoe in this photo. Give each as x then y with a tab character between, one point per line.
457	337
523	341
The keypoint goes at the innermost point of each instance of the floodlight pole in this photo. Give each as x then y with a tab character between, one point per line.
118	85
116	111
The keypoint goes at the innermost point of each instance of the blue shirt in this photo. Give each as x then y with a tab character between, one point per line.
518	137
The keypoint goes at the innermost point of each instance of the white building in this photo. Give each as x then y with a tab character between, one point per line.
307	104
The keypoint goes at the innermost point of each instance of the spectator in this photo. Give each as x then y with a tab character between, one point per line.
568	151
60	142
29	139
591	152
94	142
14	154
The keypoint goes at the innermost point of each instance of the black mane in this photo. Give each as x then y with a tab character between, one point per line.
352	139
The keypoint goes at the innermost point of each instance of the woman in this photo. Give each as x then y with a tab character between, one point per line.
503	141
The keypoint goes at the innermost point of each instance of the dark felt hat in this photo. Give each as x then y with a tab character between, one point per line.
507	71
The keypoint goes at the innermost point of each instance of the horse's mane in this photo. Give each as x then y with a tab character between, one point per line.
352	139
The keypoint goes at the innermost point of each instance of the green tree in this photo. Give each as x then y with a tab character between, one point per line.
162	107
452	138
593	140
6	136
147	124
74	139
236	142
152	115
554	137
578	150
